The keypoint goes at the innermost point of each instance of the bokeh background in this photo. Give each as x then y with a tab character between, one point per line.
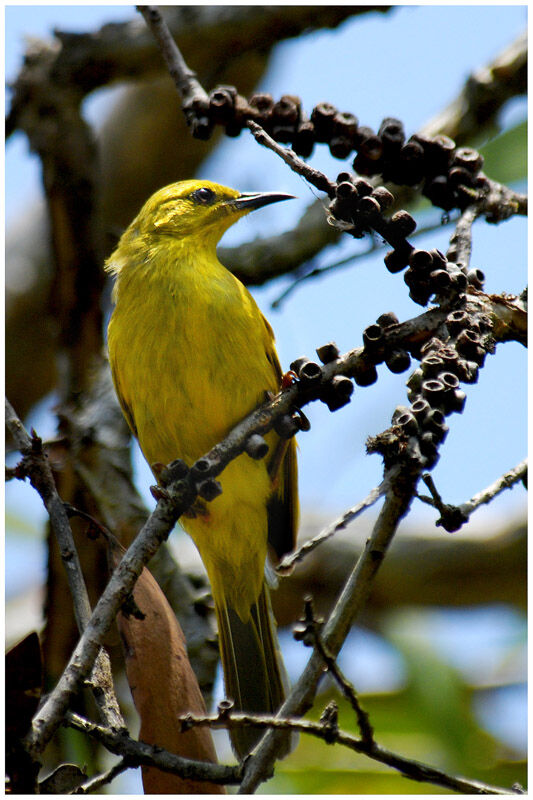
443	683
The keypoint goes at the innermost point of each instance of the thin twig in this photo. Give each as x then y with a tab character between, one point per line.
347	689
415	770
505	481
314	176
141	754
104	778
185	79
287	564
35	465
460	248
452	517
402	483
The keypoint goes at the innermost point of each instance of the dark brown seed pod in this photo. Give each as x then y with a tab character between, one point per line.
431	365
433	391
310	372
420	408
387	319
209	489
222	103
303	141
372	337
369	206
397	259
468	158
262	102
340	146
456	321
338	392
398	361
364	372
345	125
476	277
328	352
322	117
287	111
403	224
287	426
256	447
421	260
345	190
440	279
383	196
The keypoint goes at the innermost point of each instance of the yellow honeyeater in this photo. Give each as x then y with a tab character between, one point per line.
191	355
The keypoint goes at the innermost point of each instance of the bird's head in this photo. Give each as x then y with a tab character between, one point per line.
197	208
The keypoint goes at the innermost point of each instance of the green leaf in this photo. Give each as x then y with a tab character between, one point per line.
506	155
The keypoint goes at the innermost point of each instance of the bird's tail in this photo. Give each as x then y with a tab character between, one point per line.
254	674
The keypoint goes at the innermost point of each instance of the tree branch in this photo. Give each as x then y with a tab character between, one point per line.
141	754
35	465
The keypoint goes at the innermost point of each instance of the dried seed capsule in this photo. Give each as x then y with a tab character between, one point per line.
303	140
209	489
398	361
432	345
363	187
262	102
369	206
387	319
449	380
405	419
433	391
458	176
420	260
431	365
403	224
287	110
201	468
469	345
283	133
414	380
222	103
456	321
383	196
468	158
287	426
476	278
397	259
420	408
338	392
328	352
372	338
440	279
340	146
256	447
310	372
435	423
467	371
457	401
345	125
440	193
371	147
364	372
322	117
298	363
392	134
345	190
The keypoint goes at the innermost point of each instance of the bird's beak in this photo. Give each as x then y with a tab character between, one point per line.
249	201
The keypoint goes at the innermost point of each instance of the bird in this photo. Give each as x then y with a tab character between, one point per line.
191	355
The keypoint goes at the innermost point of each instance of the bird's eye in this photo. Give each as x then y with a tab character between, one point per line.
204	196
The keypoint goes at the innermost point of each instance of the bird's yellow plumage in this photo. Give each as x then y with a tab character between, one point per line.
191	355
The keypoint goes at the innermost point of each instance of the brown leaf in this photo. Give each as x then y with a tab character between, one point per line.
163	686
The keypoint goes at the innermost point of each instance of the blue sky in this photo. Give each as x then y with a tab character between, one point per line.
408	64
